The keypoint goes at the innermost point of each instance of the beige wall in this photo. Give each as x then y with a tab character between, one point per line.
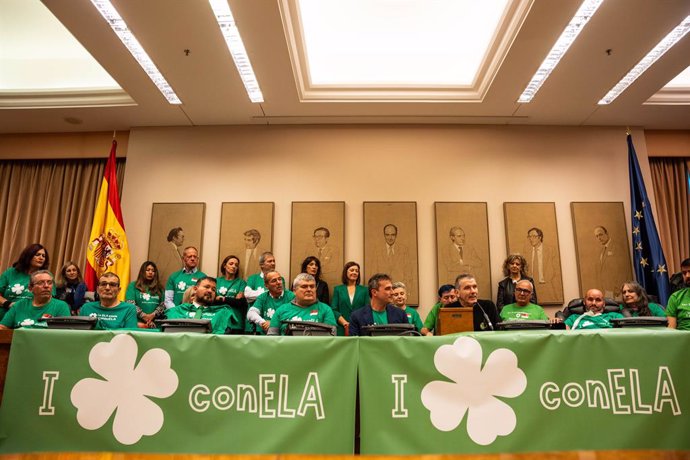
376	163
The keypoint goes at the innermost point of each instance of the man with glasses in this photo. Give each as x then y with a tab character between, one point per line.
32	312
523	309
111	313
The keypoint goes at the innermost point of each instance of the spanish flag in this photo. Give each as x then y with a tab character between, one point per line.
108	250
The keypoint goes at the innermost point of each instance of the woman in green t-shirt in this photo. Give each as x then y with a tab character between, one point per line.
147	294
14	282
636	301
230	291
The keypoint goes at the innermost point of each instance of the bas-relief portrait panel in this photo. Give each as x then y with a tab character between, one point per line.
462	243
174	226
246	231
390	244
318	229
601	246
532	232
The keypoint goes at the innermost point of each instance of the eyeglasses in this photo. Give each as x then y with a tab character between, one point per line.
43	283
106	284
522	291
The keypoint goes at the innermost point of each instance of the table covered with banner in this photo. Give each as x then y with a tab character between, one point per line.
468	393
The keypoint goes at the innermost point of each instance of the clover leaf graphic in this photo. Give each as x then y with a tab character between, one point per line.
474	390
146	296
269	312
125	389
181	285
17	289
223	290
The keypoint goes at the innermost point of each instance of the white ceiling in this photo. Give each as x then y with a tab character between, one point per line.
212	92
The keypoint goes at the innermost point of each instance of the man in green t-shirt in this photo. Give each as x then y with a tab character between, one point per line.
179	281
256	283
523	309
400	301
678	307
594	316
446	295
33	311
304	307
111	313
202	307
259	315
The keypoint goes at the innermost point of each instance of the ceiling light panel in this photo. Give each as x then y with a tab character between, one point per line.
659	50
232	37
121	29
567	38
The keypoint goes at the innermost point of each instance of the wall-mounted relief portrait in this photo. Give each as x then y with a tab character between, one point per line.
601	246
531	231
390	243
246	231
462	243
174	226
318	230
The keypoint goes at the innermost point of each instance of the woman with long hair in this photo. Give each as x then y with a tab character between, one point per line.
146	293
514	270
230	291
312	266
14	282
636	302
70	286
348	296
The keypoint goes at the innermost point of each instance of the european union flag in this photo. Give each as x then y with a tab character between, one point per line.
648	257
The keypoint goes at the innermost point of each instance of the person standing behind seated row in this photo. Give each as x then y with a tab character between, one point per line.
146	293
312	266
180	280
380	311
594	316
678	308
70	286
230	292
267	304
202	307
304	307
446	296
32	312
523	309
636	302
484	312
349	296
400	301
514	270
14	282
110	312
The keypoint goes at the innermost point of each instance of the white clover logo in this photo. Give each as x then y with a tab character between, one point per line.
269	312
27	322
181	285
223	290
17	289
146	296
474	390
125	389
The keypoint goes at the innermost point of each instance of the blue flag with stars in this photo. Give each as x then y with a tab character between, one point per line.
648	257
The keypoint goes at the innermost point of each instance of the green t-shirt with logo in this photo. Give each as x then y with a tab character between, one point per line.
315	313
24	314
413	318
267	306
146	301
585	321
513	311
121	316
14	285
679	307
230	288
218	314
380	317
179	281
654	308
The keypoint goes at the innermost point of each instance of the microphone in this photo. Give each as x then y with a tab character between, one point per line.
486	317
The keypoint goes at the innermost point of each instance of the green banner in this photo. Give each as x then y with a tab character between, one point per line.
143	392
525	391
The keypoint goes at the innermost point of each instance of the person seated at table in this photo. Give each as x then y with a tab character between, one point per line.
146	293
70	286
202	307
514	270
349	296
14	282
380	310
678	307
110	312
484	313
446	295
522	308
33	312
400	301
304	307
636	302
267	303
594	316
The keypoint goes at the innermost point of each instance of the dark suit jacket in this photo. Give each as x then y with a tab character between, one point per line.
506	292
365	317
479	320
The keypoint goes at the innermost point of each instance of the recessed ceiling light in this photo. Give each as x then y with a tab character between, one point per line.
572	30
121	29
232	37
664	45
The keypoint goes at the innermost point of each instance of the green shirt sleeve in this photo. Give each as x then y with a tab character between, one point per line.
417	320
430	321
328	316
130	295
130	319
